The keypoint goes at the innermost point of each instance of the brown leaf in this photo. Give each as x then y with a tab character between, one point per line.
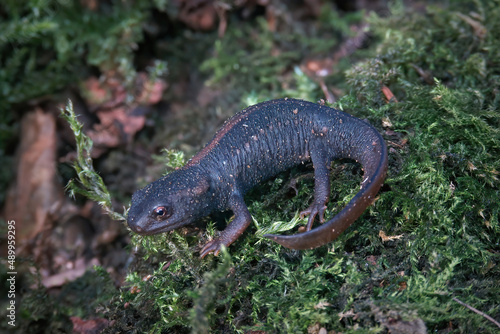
89	326
198	14
372	259
119	120
385	237
479	29
35	194
150	92
388	94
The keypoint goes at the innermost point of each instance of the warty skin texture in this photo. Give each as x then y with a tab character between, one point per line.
252	146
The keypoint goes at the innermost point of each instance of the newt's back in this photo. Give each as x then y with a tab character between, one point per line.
272	136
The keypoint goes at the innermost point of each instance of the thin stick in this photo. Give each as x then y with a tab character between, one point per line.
477	311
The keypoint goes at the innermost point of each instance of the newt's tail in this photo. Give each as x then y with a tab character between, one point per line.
374	163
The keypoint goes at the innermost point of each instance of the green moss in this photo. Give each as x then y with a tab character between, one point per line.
42	312
444	197
254	59
47	45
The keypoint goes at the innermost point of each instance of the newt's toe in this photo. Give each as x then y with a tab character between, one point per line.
313	211
213	246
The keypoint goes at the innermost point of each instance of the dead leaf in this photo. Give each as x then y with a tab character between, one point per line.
198	14
119	119
385	237
386	122
389	96
372	259
89	326
425	75
69	275
479	29
321	305
150	92
35	194
317	69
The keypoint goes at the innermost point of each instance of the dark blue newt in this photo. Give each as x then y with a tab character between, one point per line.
252	146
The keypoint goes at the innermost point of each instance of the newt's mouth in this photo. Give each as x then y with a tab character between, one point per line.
145	231
150	227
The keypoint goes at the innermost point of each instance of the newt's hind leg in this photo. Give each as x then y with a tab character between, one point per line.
321	164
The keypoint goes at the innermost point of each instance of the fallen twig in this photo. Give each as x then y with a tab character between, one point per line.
477	311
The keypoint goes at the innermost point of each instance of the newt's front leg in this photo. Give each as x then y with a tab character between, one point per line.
234	229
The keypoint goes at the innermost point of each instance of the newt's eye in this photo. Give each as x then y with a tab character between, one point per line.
162	212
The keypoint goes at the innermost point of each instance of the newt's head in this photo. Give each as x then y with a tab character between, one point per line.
173	201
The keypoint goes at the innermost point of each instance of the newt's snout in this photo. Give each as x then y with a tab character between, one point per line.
146	226
140	225
134	226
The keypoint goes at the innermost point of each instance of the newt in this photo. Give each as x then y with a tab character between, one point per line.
252	146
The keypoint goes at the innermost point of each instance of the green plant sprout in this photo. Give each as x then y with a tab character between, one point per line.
89	183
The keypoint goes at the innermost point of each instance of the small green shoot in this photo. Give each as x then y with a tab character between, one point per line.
281	226
90	183
172	159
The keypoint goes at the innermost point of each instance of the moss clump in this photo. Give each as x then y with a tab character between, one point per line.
38	311
45	45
